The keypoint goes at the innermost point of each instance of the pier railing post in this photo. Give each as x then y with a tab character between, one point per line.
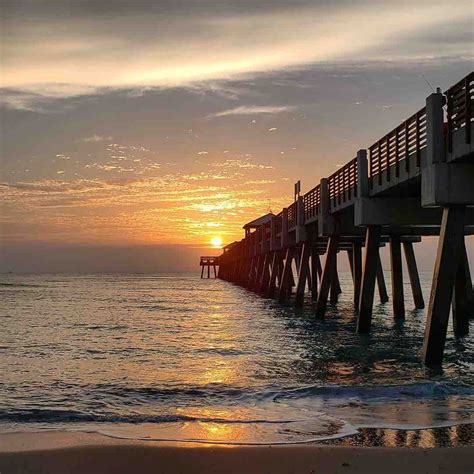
273	234
432	187
324	217
362	174
300	229
435	152
284	228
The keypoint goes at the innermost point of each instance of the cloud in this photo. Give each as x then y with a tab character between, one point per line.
97	138
253	110
89	52
36	97
173	207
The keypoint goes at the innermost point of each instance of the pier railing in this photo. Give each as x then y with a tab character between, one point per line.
388	155
343	185
395	157
312	204
278	223
292	216
209	260
460	98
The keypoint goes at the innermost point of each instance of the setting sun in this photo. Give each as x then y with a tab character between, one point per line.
216	242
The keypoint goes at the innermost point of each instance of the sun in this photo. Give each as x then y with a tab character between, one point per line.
216	242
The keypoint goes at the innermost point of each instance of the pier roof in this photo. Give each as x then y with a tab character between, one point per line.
259	221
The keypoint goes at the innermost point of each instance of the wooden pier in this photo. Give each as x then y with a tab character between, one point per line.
208	262
417	180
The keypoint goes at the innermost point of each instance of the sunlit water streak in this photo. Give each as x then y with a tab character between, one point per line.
170	356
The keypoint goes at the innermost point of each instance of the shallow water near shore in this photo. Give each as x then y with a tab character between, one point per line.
174	357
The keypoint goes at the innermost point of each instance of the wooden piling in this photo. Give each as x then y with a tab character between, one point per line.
303	272
470	293
383	295
372	242
326	279
335	289
314	274
398	297
266	272
275	271
259	272
285	282
357	270
461	297
447	261
413	275
350	259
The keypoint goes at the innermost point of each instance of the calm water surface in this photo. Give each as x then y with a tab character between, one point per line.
171	356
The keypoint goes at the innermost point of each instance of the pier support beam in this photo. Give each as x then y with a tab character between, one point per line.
398	297
447	261
286	281
357	271
372	241
303	273
383	295
266	272
462	295
315	273
275	271
413	274
335	284
253	272
350	258
329	266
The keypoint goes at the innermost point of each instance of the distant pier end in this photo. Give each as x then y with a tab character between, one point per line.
208	262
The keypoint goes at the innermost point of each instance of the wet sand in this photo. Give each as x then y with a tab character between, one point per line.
61	452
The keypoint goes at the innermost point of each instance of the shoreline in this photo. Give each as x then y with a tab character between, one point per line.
78	452
452	436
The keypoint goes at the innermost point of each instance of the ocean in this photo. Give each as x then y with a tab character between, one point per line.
174	357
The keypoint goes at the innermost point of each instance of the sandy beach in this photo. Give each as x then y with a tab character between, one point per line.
92	453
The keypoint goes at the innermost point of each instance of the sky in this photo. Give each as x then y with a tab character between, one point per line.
135	133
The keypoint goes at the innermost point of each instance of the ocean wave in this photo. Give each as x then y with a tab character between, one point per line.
428	389
38	415
230	393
